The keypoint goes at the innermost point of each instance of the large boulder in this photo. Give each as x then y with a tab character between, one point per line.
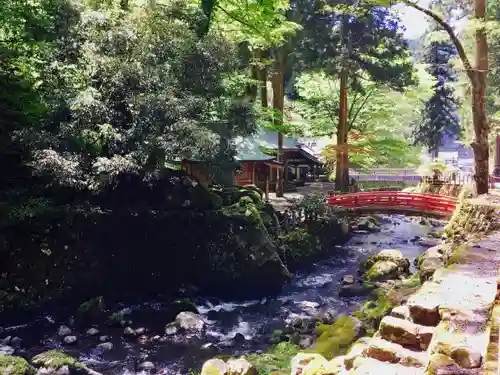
386	265
239	366
186	321
366	223
383	270
392	255
214	366
241	255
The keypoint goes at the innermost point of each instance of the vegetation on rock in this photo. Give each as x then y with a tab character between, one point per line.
11	365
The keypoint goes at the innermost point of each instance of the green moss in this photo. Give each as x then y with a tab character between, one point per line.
92	306
335	339
11	365
55	359
372	312
436	234
276	358
458	252
298	245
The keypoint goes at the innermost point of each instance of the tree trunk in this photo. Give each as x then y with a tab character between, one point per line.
342	155
262	55
477	77
479	118
278	106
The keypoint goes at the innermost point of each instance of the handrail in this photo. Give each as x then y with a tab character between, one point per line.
396	200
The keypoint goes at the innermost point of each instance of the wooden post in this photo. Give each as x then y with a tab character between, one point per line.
253	173
267	183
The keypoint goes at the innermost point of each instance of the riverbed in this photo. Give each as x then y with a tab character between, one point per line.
232	328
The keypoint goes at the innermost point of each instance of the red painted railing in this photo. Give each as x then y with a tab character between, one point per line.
396	201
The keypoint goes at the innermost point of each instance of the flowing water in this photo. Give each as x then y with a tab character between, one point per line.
232	328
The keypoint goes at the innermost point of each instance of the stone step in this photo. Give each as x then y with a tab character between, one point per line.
467	348
386	351
401	312
370	366
476	291
405	333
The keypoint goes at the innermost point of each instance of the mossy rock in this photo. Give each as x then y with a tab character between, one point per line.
335	339
91	308
383	270
372	312
390	255
12	365
55	359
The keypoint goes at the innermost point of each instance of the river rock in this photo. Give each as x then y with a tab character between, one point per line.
240	366
104	338
190	321
392	255
383	270
326	315
348	280
368	223
15	342
354	290
64	331
214	366
105	346
429	241
92	331
186	321
428	267
239	337
305	341
70	340
146	366
128	332
6	350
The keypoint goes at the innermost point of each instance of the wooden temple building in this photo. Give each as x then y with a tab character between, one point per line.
257	157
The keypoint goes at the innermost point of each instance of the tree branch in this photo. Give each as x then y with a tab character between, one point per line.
368	95
447	27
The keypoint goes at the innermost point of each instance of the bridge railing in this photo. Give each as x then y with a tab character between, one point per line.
388	200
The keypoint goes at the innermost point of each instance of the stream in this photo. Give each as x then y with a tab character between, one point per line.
232	328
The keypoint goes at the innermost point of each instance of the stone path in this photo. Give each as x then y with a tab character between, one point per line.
446	328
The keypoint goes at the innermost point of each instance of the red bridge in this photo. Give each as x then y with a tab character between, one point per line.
396	201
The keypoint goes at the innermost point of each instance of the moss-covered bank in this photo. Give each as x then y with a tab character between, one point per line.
153	239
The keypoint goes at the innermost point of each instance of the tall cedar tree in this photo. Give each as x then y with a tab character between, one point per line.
439	116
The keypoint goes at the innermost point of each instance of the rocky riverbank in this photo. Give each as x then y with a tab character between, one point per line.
172	337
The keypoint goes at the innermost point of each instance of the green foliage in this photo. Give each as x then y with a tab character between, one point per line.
372	312
440	116
276	358
335	339
298	244
430	167
15	366
379	118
